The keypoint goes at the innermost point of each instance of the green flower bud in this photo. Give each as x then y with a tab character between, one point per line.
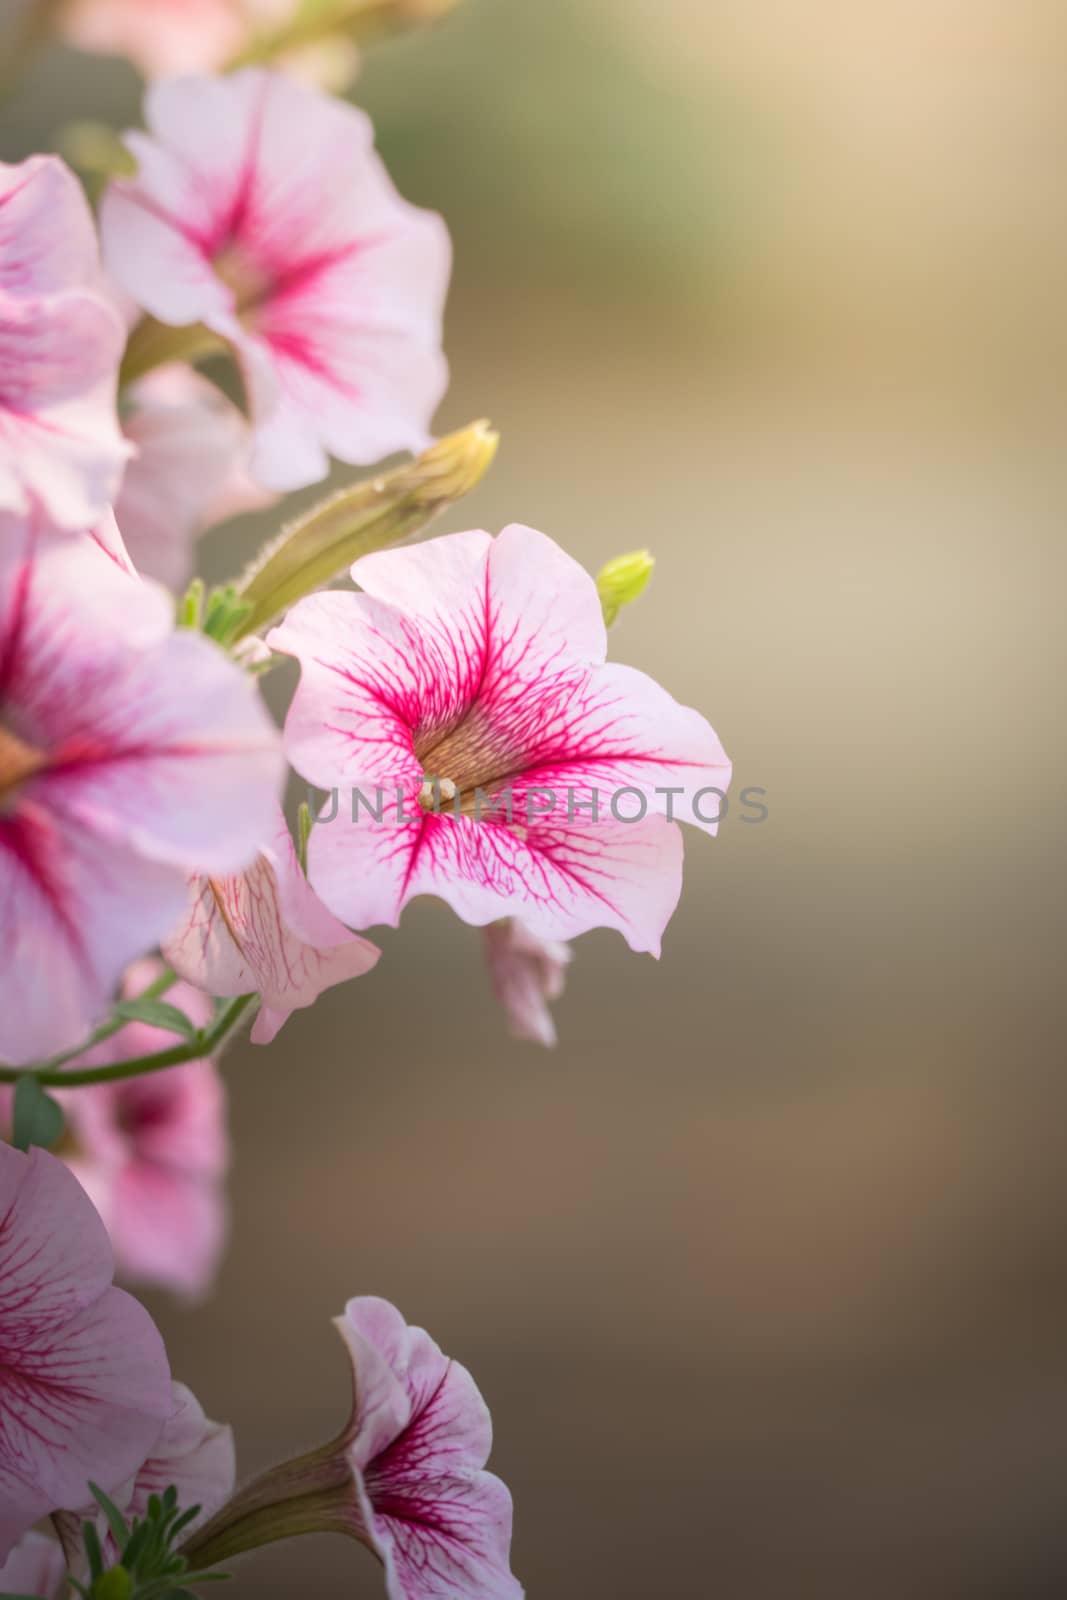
115	1584
621	581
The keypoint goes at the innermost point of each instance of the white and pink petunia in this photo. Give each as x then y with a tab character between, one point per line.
85	1389
129	754
417	1448
61	340
152	1152
265	931
164	37
188	472
406	1478
526	974
483	750
261	210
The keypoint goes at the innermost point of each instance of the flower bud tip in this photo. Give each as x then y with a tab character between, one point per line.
456	464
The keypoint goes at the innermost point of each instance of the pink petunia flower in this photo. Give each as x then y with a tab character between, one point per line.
484	751
84	1384
406	1478
417	1447
191	445
165	37
153	1152
296	249
526	974
128	755
265	931
60	345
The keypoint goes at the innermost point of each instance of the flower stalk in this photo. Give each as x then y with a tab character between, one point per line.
312	1494
323	544
153	344
205	1042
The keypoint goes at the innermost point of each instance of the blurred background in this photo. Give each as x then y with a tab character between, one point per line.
764	1271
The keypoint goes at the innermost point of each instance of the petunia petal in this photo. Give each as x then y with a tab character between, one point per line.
265	931
526	974
84	1383
47	238
560	879
36	1566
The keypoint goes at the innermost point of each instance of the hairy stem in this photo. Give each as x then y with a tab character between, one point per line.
320	545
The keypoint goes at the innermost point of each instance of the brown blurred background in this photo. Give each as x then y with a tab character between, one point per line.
764	1272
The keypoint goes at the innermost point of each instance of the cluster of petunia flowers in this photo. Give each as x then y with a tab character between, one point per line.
455	705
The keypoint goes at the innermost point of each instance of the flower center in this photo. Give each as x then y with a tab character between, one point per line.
469	758
250	284
18	761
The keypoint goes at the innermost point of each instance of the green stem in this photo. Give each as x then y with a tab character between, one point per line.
312	1494
207	1042
153	344
107	1030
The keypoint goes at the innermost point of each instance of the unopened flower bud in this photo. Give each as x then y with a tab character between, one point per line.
622	581
115	1584
321	545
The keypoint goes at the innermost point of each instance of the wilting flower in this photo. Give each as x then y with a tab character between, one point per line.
192	446
84	1384
128	755
35	1567
152	1152
468	687
192	1454
526	973
406	1478
265	931
299	252
60	345
165	37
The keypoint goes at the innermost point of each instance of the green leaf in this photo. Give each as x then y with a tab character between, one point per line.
158	1014
94	1552
120	1530
38	1119
191	606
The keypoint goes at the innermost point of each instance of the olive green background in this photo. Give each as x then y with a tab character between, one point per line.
763	1271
